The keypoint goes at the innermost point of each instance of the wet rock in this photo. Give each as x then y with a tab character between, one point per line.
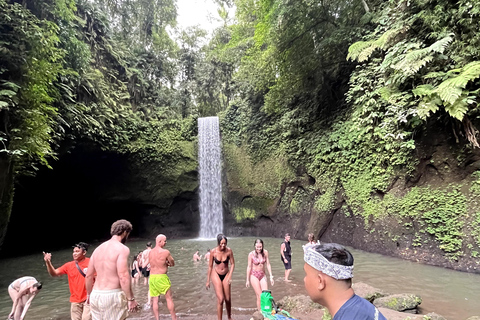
298	303
257	316
368	292
399	302
390	314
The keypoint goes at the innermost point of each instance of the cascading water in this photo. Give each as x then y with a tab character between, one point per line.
211	213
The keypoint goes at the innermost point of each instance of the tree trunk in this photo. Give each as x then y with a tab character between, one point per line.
365	5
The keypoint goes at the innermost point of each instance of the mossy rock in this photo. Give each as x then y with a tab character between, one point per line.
399	302
298	303
368	292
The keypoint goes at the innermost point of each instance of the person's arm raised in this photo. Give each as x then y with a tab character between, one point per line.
50	268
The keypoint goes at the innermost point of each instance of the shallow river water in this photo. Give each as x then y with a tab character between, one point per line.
453	294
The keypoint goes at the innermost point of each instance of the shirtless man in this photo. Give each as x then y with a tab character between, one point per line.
197	257
112	291
146	272
160	259
145	266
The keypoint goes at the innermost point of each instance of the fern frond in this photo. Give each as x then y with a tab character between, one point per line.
362	50
415	60
471	71
366	53
441	44
457	109
424	90
357	48
426	106
449	91
434	75
386	38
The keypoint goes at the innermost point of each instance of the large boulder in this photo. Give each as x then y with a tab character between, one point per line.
298	304
390	314
368	292
399	302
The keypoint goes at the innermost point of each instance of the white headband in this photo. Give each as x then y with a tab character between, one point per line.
320	263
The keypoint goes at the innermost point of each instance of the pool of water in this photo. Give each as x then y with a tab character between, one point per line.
453	294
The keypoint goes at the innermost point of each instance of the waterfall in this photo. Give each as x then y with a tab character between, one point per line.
211	213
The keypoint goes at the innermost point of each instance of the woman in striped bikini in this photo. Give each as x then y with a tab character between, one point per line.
257	260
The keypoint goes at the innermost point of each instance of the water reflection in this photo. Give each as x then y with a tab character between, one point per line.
454	295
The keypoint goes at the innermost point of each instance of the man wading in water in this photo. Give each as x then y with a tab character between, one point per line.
112	292
160	259
286	256
75	271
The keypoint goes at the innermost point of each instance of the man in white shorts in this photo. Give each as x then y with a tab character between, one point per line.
111	295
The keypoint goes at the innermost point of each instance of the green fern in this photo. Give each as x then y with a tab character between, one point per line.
427	106
362	50
450	92
458	109
417	59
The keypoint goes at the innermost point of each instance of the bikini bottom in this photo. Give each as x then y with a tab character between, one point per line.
221	276
259	274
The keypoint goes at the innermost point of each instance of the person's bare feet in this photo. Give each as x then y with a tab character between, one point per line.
286	280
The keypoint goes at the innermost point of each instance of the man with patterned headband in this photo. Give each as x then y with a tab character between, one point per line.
328	281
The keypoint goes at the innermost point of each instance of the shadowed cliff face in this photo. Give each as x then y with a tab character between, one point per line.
86	191
429	216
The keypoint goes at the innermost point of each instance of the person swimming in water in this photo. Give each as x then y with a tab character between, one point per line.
256	276
197	257
22	291
221	275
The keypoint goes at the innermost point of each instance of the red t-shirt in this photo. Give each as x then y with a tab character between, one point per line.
76	282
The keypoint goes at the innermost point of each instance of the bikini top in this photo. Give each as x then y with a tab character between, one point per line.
218	262
257	261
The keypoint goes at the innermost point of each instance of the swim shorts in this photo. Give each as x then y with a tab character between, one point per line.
158	284
108	304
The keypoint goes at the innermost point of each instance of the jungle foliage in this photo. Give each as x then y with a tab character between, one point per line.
342	89
346	89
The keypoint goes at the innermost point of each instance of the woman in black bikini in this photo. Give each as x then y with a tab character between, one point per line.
221	275
257	261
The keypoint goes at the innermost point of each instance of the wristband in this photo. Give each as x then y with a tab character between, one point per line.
133	299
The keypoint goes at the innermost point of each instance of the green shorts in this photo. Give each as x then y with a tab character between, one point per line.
158	284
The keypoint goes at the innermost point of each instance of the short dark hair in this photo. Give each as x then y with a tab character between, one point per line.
287	234
82	245
335	253
220	237
149	244
120	226
37	285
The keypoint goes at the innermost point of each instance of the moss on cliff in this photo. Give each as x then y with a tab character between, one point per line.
263	178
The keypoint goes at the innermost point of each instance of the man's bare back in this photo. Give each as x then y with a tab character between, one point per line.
108	259
160	259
